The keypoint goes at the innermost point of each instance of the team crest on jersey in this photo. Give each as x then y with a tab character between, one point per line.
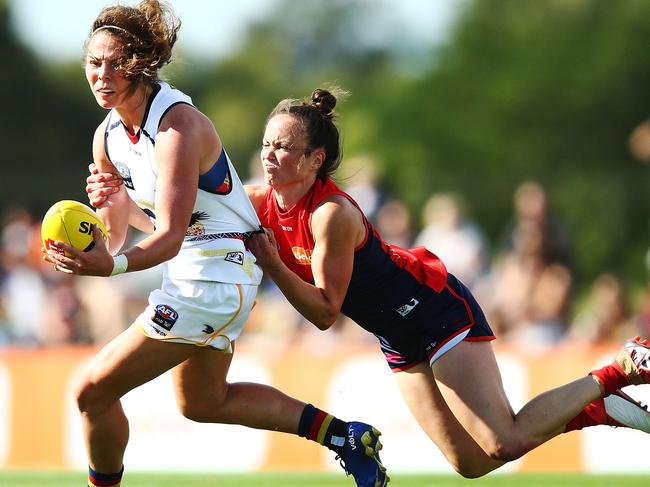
197	228
235	257
302	256
165	316
123	169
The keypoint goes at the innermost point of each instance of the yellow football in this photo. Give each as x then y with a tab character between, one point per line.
70	222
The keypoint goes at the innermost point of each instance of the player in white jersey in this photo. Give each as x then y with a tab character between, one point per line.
177	184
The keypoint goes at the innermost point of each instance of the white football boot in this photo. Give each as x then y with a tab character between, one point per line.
622	410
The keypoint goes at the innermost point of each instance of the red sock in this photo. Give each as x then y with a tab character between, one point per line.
612	377
592	415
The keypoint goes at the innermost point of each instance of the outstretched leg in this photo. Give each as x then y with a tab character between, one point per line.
204	395
470	381
466	411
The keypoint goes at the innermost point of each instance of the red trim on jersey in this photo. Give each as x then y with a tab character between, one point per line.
425	266
133	137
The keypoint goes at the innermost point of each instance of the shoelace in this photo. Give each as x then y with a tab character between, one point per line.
342	464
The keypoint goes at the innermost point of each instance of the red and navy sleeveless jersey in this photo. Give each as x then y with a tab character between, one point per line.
389	285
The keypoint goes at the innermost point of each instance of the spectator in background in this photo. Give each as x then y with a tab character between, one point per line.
605	317
394	223
363	185
532	210
643	316
451	236
529	290
40	306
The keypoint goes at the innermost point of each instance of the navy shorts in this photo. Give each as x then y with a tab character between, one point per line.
443	320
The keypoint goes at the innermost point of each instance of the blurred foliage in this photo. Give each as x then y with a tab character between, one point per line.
546	90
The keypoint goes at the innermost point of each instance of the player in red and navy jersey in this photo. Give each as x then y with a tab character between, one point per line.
326	258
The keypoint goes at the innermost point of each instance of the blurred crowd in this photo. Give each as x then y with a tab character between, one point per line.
524	280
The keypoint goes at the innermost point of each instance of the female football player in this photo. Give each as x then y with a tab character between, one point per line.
177	183
326	258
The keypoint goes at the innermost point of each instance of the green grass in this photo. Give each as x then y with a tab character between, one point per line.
68	479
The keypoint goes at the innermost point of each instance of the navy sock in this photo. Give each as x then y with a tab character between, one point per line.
97	479
323	428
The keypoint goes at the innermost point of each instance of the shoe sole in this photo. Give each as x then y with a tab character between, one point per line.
627	411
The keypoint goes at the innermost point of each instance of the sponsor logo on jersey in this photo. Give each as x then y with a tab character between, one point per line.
123	169
235	257
286	228
207	329
165	316
408	307
302	256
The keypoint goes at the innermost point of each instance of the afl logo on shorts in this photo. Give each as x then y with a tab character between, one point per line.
165	316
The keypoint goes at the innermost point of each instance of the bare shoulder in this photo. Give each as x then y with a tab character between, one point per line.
338	206
337	213
256	193
187	118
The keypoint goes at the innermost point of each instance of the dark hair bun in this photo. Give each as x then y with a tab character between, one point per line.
324	101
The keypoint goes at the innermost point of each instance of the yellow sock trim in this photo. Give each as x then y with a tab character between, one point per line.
323	429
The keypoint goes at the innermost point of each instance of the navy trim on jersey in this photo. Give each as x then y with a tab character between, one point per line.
212	180
108	129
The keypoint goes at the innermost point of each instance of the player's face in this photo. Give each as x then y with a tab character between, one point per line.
286	158
106	81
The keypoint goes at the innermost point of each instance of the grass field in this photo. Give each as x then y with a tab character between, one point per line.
67	479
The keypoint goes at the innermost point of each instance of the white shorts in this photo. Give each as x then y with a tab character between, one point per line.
203	313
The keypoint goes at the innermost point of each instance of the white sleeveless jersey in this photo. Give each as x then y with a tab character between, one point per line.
213	248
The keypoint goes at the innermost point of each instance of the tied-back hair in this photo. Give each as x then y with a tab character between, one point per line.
317	117
148	33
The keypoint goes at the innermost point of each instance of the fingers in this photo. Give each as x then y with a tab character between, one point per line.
100	186
98	236
61	262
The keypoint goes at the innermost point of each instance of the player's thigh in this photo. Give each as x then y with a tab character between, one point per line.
430	409
128	361
201	379
469	379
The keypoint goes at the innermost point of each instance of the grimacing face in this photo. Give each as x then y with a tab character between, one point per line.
286	158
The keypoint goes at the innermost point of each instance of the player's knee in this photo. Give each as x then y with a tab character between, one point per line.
470	467
197	411
202	409
204	405
470	470
90	397
506	450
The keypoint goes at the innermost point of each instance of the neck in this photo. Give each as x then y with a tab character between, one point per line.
288	196
132	112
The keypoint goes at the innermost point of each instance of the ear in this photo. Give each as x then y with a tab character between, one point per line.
318	158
